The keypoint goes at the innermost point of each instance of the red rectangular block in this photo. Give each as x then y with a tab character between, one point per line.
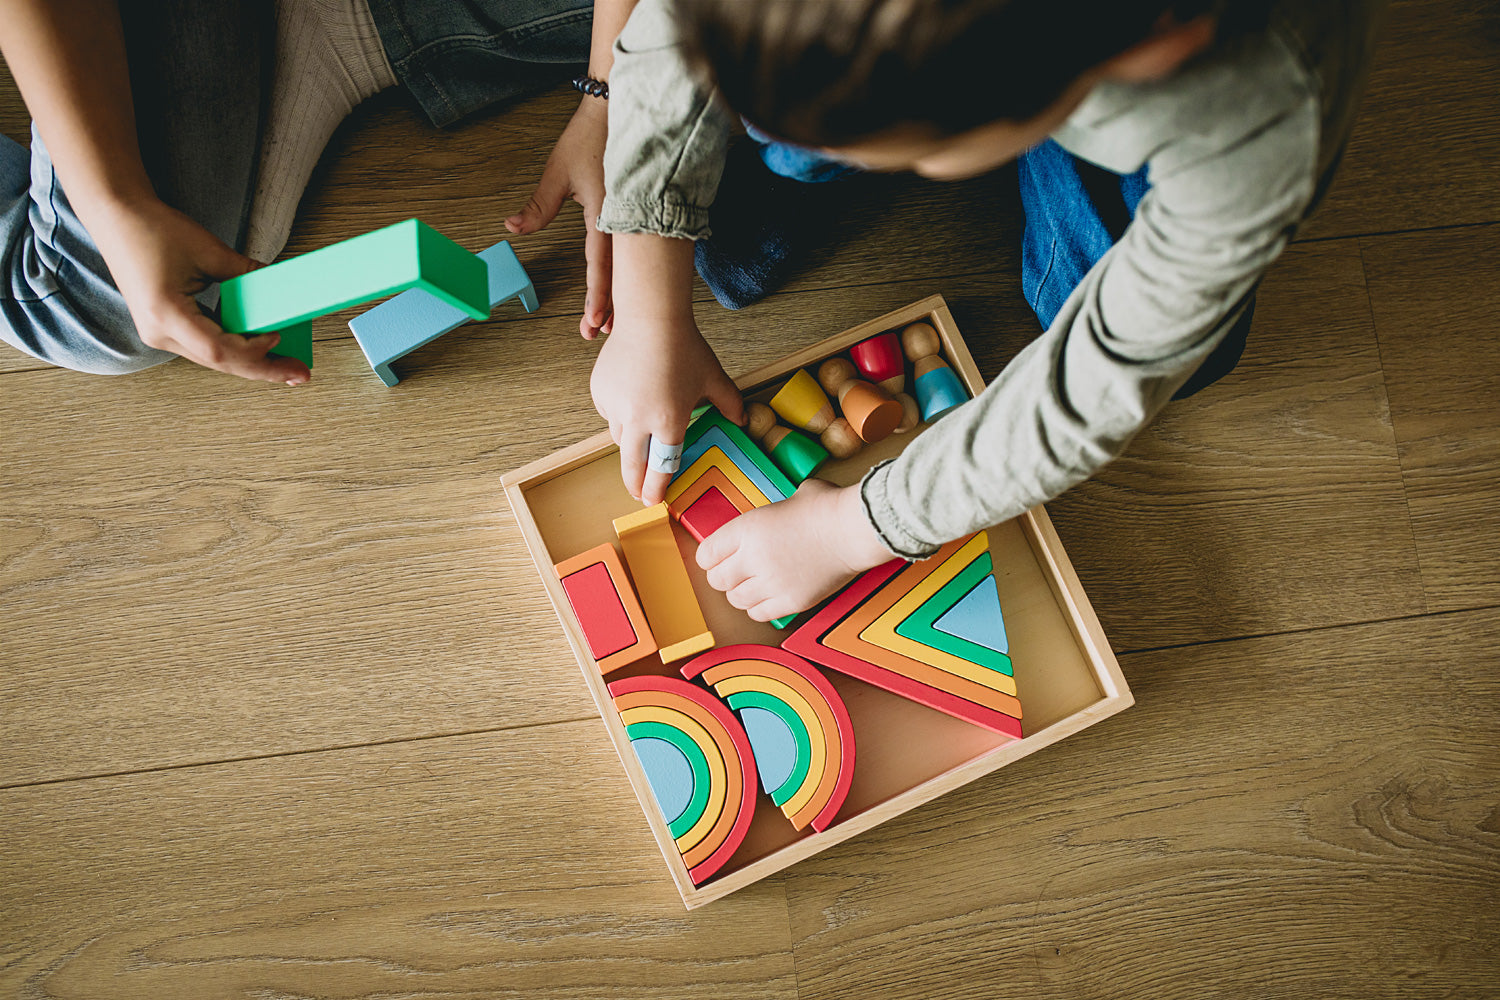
606	607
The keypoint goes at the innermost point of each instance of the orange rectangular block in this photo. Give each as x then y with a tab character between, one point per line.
606	607
662	581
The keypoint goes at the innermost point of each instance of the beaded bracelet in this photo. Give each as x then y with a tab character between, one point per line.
588	85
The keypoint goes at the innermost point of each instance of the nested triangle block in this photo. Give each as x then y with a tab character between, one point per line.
878	624
970	606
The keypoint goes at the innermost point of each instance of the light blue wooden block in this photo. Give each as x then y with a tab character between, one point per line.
977	618
670	775
772	744
395	328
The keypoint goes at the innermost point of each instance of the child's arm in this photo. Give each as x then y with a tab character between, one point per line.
576	170
655	366
667	136
68	58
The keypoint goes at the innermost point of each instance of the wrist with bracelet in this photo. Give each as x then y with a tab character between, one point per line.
591	87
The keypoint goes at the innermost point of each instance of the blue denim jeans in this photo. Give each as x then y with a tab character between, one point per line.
200	73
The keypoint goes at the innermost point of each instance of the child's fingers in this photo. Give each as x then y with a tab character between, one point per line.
196	338
748	594
772	607
716	548
598	252
723	393
727	574
543	205
633	447
654	487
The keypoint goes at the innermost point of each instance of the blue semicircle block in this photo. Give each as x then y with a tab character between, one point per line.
976	618
773	745
669	772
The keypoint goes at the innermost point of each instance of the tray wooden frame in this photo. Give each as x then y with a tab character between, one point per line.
1079	684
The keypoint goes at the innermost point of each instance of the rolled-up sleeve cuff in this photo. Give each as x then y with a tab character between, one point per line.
894	534
677	220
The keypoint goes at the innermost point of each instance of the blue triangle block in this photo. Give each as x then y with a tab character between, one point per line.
976	618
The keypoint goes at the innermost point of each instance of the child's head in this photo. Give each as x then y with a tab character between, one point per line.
945	87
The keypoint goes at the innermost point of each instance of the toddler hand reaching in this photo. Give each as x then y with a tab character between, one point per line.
786	557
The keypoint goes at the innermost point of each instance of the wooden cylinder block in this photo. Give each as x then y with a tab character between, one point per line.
870	411
873	414
801	403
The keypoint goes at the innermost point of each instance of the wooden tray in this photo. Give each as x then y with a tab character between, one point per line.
1066	674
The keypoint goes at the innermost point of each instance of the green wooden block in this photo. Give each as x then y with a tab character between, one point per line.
919	627
410	254
799	456
296	342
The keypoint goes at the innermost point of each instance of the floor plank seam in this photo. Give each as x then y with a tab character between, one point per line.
1416	549
1393	619
292	753
1398	232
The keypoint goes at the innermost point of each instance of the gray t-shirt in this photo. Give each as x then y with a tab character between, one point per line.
1239	144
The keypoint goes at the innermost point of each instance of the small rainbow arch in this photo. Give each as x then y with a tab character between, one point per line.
797	724
699	763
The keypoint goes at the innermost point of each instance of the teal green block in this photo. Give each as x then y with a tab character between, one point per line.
296	342
409	254
920	625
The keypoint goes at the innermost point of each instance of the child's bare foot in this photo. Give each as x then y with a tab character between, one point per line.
786	557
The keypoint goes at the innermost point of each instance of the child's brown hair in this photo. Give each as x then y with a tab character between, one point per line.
828	72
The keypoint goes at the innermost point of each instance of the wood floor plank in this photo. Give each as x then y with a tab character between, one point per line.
1435	297
510	865
1427	138
1272	500
1291	816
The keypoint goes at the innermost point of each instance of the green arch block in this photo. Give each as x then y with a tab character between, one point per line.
288	296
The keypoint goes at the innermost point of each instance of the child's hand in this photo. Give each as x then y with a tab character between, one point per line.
646	381
784	558
159	259
576	170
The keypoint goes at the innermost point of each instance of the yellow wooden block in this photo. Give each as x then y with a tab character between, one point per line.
662	582
882	631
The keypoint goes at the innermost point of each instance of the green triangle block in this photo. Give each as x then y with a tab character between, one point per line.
920	625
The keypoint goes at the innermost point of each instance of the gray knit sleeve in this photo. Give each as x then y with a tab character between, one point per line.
667	134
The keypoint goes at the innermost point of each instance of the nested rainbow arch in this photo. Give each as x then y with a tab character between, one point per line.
798	726
699	763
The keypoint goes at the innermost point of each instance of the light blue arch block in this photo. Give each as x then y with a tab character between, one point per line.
773	745
395	328
669	773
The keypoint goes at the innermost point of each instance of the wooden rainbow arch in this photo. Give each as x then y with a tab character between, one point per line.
797	724
699	763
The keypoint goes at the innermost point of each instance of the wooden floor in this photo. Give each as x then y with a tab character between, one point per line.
286	713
